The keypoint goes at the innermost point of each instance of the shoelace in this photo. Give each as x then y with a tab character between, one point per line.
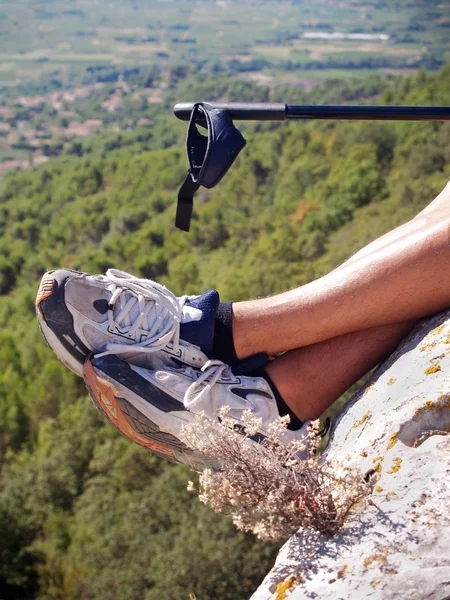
160	313
211	372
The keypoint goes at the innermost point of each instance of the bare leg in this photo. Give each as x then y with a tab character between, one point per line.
440	202
402	276
311	378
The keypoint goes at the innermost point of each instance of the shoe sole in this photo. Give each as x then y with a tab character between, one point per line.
54	336
138	420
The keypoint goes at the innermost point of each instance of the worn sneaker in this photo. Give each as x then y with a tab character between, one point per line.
166	399
118	313
137	419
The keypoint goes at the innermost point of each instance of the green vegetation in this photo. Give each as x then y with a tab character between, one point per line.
68	70
84	513
218	36
89	87
36	128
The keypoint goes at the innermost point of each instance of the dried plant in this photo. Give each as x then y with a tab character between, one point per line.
274	487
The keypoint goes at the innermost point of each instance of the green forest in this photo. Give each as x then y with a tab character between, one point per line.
83	512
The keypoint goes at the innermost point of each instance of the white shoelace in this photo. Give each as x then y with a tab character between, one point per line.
211	372
160	313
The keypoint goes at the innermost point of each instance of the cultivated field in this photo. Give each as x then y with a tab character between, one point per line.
43	36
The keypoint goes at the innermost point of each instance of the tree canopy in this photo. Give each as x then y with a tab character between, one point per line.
83	512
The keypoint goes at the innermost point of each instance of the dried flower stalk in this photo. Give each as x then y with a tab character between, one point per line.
274	487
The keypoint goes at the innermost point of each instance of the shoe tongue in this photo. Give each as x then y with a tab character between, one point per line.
199	316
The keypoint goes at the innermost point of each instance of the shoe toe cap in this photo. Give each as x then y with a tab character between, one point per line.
52	281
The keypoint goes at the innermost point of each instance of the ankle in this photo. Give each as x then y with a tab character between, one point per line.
283	408
223	344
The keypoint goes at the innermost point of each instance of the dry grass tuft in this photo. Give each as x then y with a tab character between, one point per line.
274	487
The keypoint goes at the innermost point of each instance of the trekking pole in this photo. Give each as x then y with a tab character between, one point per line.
210	157
274	111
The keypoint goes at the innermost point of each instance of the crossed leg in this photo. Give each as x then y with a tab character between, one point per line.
339	327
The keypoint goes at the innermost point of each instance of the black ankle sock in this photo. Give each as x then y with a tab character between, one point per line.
223	349
283	408
223	345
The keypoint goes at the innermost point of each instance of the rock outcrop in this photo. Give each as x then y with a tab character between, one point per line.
396	542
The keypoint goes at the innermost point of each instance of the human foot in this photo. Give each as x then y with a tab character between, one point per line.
121	314
156	404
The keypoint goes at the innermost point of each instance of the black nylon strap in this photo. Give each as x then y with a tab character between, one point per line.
209	157
185	203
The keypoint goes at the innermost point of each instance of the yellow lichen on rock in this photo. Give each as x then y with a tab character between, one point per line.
368	388
426	347
444	401
375	558
395	465
432	369
342	571
284	586
363	419
377	467
392	441
378	558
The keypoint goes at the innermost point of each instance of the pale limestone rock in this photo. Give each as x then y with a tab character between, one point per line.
396	543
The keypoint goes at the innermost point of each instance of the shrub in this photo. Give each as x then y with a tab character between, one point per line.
272	487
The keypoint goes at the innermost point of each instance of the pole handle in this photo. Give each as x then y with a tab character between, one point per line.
240	111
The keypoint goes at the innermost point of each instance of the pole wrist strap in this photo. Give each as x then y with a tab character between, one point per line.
209	157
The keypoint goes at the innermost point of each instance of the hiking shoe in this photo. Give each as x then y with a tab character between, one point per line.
118	313
137	419
169	398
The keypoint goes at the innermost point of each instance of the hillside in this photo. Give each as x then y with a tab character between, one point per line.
84	514
71	69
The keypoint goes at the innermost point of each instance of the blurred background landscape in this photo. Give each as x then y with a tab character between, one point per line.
91	159
69	70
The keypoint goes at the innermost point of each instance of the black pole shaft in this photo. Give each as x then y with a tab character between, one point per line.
384	113
263	111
